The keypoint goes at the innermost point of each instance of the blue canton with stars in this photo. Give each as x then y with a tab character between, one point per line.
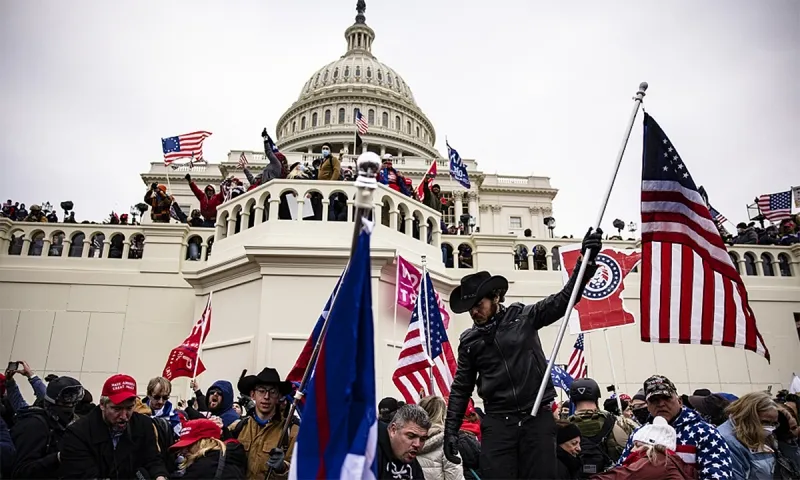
660	160
438	333
170	144
780	201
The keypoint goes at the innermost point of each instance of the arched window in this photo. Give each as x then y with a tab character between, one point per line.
408	127
303	123
556	259
397	123
341	115
336	73
766	264
369	72
384	119
37	244
539	257
417	132
355	113
447	255
97	246
76	248
380	76
358	71
464	256
749	264
294	126
327	117
389	79
521	258
346	72
735	260
371	116
57	244
313	119
325	77
785	265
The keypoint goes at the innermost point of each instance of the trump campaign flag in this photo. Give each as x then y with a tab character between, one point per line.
338	436
458	169
184	360
601	305
408	281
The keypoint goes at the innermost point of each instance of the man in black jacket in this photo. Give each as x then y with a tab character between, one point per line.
503	356
38	431
112	441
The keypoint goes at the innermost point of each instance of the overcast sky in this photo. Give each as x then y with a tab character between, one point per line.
88	88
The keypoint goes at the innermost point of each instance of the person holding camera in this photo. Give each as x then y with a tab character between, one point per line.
159	202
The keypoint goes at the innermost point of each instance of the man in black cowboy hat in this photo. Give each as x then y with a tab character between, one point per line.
260	432
503	356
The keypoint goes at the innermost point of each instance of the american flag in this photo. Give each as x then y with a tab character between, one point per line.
412	376
776	206
690	290
189	145
718	217
576	368
242	160
361	123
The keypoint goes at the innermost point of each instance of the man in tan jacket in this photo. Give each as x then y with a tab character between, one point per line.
331	167
260	431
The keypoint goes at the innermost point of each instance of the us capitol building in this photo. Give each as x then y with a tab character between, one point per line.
76	310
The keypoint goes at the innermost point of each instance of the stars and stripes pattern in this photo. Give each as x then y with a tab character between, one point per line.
242	160
361	123
776	206
413	374
716	216
691	292
576	368
188	145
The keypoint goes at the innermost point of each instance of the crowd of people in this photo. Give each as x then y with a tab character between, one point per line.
786	233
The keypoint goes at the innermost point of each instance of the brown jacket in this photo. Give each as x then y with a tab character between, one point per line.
331	169
670	467
258	441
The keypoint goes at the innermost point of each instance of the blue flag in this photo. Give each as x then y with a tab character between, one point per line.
338	436
458	170
561	378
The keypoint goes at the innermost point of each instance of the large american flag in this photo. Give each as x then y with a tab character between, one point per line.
412	376
189	145
690	289
361	123
576	368
776	206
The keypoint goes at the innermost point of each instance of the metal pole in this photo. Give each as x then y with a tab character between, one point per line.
368	164
424	287
613	370
582	271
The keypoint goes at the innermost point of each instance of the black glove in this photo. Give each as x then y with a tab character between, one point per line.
276	460
264	134
188	177
451	448
592	242
153	186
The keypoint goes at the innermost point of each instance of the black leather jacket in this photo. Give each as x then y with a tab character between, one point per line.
505	359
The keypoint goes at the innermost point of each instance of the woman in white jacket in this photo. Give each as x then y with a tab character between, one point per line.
431	457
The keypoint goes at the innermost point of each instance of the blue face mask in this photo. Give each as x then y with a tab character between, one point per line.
326	153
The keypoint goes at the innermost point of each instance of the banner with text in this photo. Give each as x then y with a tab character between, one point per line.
408	278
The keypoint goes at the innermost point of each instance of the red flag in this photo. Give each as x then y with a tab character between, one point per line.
601	305
425	179
184	360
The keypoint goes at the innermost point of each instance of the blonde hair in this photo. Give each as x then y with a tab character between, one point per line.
198	450
744	414
653	452
435	408
161	384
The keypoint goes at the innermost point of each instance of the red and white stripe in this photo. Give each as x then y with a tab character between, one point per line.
688	453
191	146
690	289
242	160
361	123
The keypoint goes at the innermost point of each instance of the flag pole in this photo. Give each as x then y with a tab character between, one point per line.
638	98
202	334
424	288
368	165
613	370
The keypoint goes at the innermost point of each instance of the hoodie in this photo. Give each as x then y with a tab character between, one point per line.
224	411
388	467
432	460
208	206
699	445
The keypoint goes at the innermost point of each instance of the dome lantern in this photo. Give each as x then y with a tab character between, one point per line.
359	36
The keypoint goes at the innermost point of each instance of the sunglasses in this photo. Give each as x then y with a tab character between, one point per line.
160	398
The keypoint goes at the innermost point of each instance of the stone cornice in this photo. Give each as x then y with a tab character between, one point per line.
546	192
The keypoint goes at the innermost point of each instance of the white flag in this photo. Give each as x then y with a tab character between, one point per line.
795	385
796	195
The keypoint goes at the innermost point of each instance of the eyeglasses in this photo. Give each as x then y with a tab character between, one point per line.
160	398
263	391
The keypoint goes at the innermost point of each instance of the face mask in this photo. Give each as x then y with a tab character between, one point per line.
641	415
325	153
769	429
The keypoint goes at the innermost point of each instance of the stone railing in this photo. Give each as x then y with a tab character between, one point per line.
283	200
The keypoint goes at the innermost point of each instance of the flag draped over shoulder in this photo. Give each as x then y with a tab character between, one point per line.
339	433
690	289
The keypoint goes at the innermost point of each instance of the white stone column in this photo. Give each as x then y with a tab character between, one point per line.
458	197
106	248
410	225
219	230
231	226
326	204
350	204
497	219
26	246
301	203
86	243
473	206
46	247
67	245
482	208
245	220
203	251
377	213
423	232
274	206
126	249
259	215
393	214
544	231
535	220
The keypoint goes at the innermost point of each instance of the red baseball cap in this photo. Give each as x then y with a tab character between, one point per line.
196	430
119	388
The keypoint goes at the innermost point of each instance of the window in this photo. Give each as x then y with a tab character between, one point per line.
371	117
749	264
397	123
380	76
346	72
389	78
355	113
385	119
336	73
327	117
408	127
294	126
358	71
341	115
303	123
314	120
369	72
417	132
515	222
325	77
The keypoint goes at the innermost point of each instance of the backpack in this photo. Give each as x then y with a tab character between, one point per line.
594	452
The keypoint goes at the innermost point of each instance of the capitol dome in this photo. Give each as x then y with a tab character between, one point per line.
325	110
